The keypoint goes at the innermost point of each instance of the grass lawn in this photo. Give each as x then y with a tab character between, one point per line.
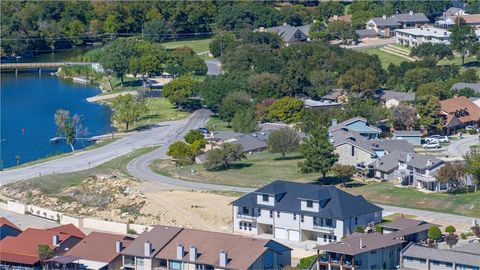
197	45
158	110
467	204
53	184
215	123
385	58
259	169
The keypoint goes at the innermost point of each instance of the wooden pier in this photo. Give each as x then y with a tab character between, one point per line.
38	65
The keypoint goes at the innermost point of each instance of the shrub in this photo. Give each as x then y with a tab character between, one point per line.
450	229
131	231
378	228
306	262
463	236
434	233
359	229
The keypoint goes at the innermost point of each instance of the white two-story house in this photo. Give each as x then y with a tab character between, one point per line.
300	212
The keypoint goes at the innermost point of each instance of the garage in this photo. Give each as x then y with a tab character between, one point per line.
281	233
294	235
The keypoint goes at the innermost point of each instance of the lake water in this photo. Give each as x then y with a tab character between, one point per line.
28	104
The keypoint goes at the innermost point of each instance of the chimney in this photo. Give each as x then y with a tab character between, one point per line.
147	249
223	258
384	16
429	163
118	246
409	156
411	13
361	243
193	253
56	240
334	122
180	251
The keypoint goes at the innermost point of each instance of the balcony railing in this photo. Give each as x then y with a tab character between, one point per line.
323	228
246	216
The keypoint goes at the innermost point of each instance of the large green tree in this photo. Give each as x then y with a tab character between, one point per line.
244	121
286	109
283	141
318	153
435	51
472	165
67	126
117	56
223	157
428	108
359	81
179	90
463	38
127	109
233	103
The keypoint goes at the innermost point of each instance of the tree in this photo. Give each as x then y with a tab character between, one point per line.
116	58
264	85
244	121
286	109
193	135
223	157
434	233
452	174
450	229
435	51
179	90
318	153
428	108
261	109
181	153
67	126
283	141
463	38
156	30
221	42
403	117
127	109
344	172
472	165
340	30
451	240
436	89
359	81
233	103
44	253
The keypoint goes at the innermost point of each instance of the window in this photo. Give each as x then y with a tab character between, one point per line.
353	151
249	226
373	252
271	213
265	197
335	238
240	225
328	222
423	261
435	262
449	265
278	214
245	210
175	265
324	238
310	204
356	220
294	216
302	218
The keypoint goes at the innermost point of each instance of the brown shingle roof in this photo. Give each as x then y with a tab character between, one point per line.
458	104
403	223
159	236
469	19
242	251
5	221
99	247
358	243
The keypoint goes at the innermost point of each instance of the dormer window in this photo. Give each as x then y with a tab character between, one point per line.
265	197
310	204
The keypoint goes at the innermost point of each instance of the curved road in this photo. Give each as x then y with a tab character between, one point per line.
162	134
459	148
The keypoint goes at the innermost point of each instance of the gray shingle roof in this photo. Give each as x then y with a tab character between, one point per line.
362	33
411	18
389	21
407	133
445	255
359	243
462	85
288	194
386	95
350	121
390	161
334	94
392	145
290	33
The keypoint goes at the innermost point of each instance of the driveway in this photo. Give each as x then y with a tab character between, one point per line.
458	148
214	67
163	133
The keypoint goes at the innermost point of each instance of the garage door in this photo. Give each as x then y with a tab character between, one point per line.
281	233
294	236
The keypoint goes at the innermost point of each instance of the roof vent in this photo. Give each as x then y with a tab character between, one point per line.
361	244
223	258
384	16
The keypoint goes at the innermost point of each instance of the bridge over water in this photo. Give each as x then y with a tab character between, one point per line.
4	67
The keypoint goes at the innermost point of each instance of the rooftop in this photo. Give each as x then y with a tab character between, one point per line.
446	255
336	203
159	236
359	243
426	32
5	222
461	108
462	85
406	133
386	95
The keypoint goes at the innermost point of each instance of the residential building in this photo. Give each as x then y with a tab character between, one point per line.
21	250
323	104
452	11
410	230
464	257
413	37
412	136
178	248
300	212
384	26
362	251
458	113
358	124
419	171
366	34
100	251
335	95
470	19
289	34
7	228
391	98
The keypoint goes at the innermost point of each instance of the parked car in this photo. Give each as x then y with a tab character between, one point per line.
443	139
204	131
431	145
433	138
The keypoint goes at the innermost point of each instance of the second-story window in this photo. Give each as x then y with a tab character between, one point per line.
294	216
278	214
356	220
265	197
271	213
302	218
245	210
310	204
328	222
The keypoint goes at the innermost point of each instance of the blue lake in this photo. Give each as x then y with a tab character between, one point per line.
28	104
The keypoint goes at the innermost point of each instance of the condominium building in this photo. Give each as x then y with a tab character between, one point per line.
299	212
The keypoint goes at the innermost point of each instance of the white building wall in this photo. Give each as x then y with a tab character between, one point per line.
270	202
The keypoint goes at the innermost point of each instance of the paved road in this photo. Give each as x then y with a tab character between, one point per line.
161	134
459	148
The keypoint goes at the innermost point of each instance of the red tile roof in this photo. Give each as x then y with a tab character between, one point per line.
99	247
68	229
5	221
23	248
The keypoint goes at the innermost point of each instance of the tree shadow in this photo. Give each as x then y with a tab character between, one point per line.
238	166
472	64
289	157
132	83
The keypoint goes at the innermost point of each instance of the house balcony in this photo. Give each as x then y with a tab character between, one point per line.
323	229
337	261
247	217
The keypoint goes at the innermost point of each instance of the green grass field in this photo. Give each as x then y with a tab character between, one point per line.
215	123
385	58
158	110
467	204
197	45
53	184
258	170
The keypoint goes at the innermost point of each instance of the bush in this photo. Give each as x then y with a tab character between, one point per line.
378	228
360	229
434	233
463	236
472	131
131	231
306	262
450	229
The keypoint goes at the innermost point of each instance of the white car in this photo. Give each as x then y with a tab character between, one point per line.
443	139
433	138
431	145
